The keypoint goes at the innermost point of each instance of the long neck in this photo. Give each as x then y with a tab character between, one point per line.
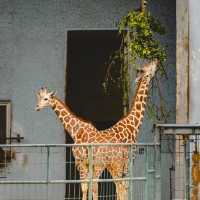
132	122
71	123
139	102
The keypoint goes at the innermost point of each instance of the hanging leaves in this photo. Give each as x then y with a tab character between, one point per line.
138	31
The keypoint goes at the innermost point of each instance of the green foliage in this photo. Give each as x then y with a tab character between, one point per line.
138	31
140	28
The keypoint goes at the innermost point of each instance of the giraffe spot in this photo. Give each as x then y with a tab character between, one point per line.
120	128
141	98
142	112
138	106
61	119
133	138
68	127
130	128
66	119
80	134
118	136
63	113
141	92
121	135
137	114
137	98
121	124
72	122
59	107
124	140
115	129
136	121
146	92
85	138
57	112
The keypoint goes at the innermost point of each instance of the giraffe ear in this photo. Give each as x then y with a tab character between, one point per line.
53	94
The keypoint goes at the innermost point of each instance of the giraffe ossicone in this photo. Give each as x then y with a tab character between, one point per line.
126	130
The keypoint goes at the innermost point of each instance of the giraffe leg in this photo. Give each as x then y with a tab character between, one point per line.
96	173
83	170
84	187
117	170
95	190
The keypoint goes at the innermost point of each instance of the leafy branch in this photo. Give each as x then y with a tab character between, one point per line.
138	31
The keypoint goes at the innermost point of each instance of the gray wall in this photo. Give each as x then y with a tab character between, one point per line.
33	53
194	59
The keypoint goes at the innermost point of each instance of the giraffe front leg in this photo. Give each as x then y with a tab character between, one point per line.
95	190
84	188
83	171
98	168
124	190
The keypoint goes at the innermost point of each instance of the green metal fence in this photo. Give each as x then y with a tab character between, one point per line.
47	171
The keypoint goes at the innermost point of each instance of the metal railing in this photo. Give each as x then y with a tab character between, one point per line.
47	171
182	141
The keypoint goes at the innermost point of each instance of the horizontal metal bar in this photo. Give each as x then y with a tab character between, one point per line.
178	129
69	181
178	126
79	145
183	131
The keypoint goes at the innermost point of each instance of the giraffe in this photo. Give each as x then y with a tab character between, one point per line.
114	158
126	130
195	174
78	129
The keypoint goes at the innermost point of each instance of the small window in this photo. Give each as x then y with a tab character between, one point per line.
5	121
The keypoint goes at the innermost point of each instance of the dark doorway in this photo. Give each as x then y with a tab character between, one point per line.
87	55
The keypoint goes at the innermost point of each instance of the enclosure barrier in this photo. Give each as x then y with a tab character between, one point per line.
48	172
182	141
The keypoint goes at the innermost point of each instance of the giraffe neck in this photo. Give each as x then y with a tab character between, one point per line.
71	123
139	102
131	123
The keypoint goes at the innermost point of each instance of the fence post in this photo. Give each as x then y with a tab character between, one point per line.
47	175
150	174
130	167
47	172
90	160
146	175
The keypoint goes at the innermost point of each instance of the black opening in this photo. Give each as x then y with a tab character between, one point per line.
87	55
3	124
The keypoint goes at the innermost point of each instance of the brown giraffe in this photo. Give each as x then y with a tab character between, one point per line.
195	174
115	159
126	130
78	129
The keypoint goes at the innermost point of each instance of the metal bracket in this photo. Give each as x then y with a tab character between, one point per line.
18	138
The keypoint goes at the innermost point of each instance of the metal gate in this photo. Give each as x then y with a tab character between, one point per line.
182	141
47	172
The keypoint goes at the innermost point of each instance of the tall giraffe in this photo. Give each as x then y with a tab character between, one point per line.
115	159
78	129
126	130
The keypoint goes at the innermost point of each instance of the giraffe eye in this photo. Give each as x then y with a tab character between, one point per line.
45	99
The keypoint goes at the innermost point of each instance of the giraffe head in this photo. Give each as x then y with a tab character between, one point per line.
148	70
44	98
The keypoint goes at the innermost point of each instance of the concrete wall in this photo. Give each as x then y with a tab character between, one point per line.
194	58
33	53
